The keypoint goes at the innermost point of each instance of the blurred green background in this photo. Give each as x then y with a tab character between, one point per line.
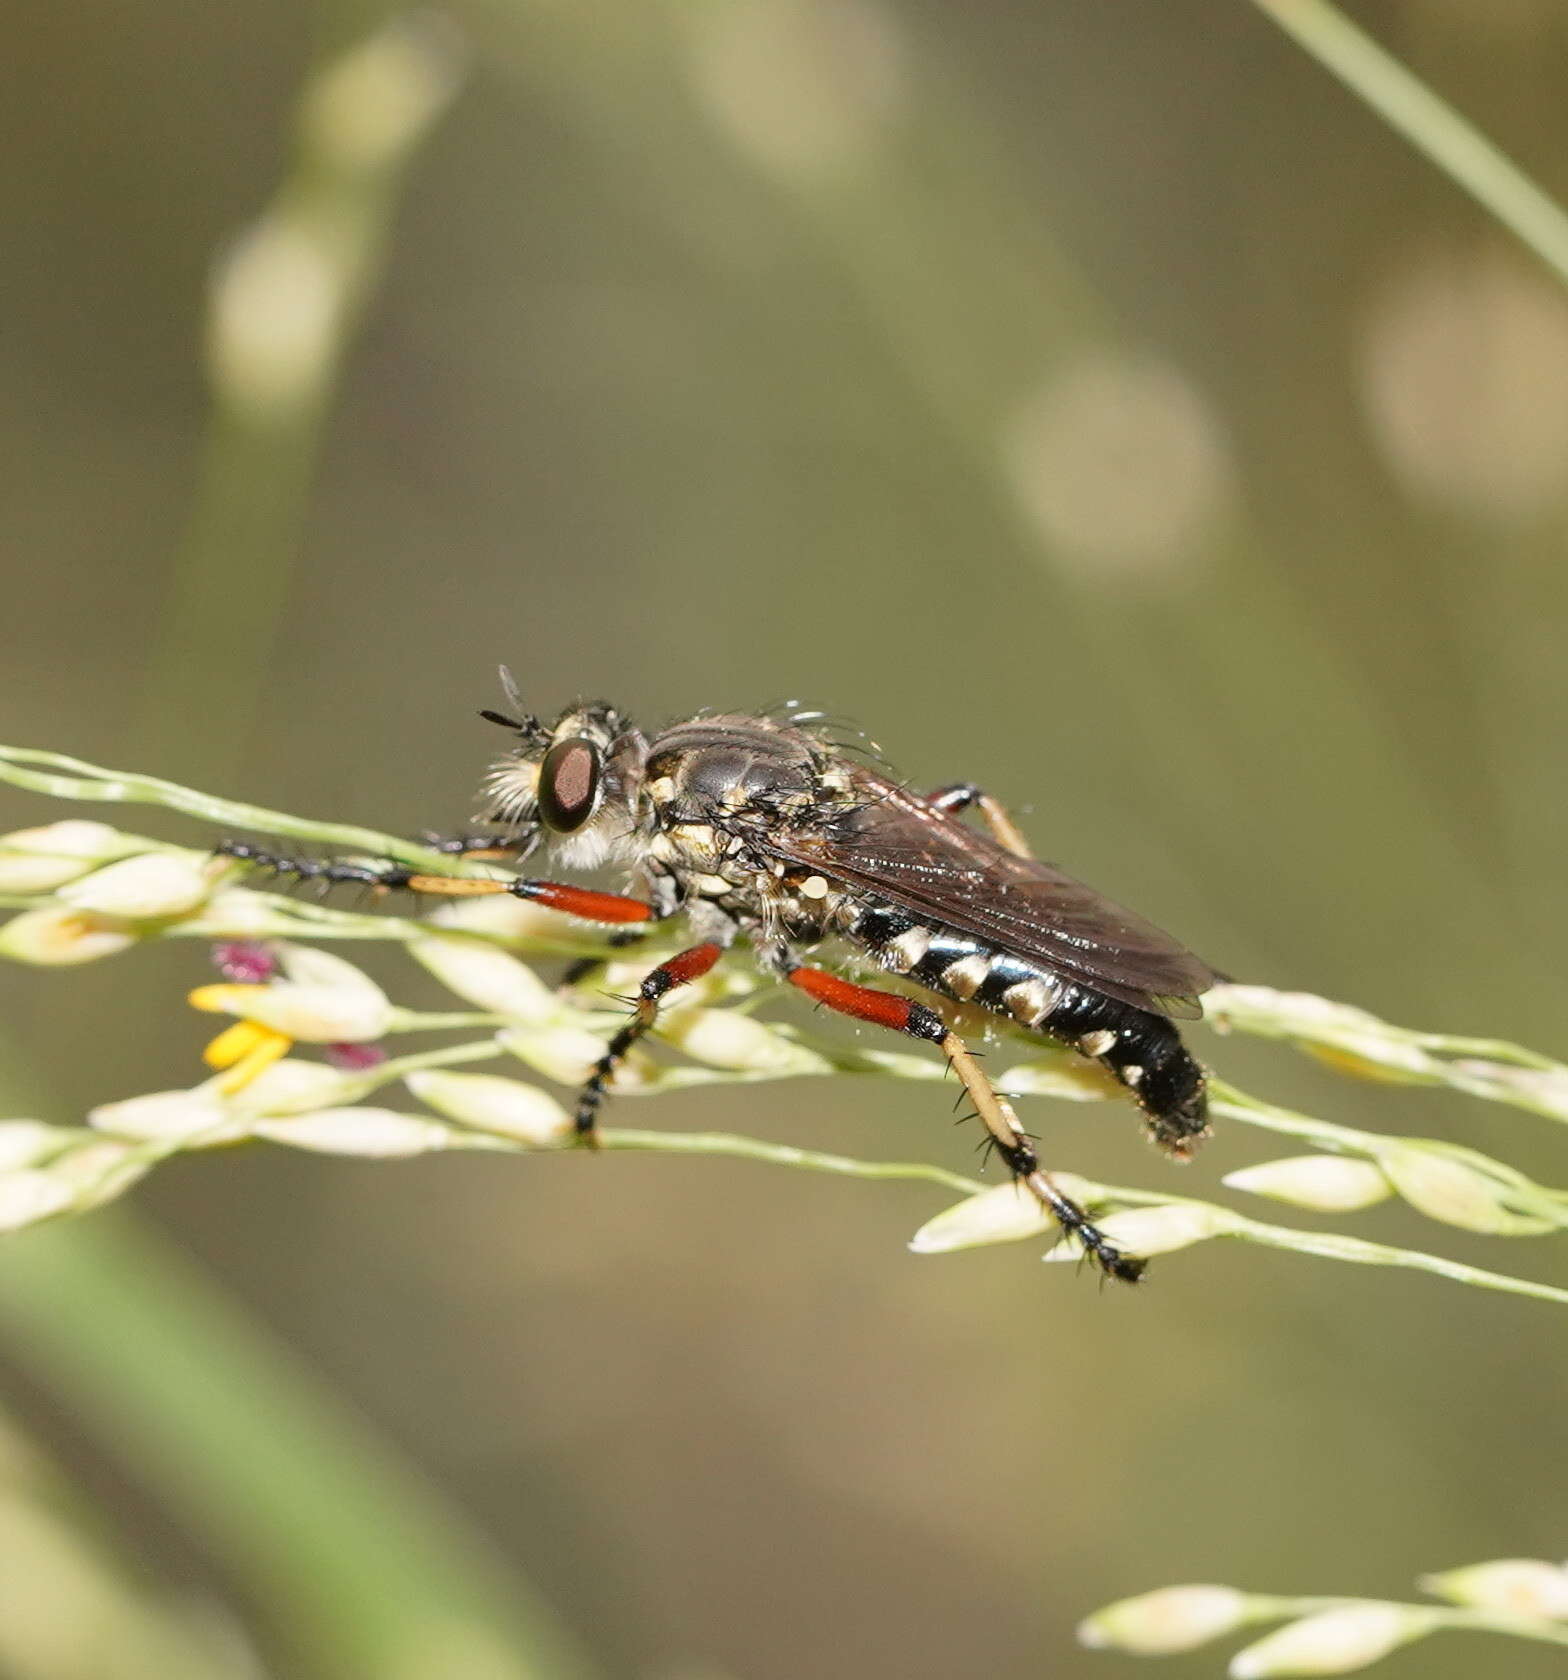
1093	401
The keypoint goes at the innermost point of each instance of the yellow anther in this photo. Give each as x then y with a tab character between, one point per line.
234	1043
269	1047
1358	1067
221	1000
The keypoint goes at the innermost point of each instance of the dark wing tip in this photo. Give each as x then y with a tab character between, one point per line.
1178	1008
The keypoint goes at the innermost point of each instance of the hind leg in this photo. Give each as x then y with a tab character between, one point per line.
1013	1143
961	795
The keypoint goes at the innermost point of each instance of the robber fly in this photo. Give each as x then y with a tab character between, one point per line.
768	829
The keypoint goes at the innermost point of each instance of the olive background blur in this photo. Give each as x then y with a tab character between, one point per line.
1095	402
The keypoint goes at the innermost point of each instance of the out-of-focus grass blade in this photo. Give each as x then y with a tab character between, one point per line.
361	1570
1430	124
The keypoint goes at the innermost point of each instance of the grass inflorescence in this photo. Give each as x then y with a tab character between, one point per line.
317	1048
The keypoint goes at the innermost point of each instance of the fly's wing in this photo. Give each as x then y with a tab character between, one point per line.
897	847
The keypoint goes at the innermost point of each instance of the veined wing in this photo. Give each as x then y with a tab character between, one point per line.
897	847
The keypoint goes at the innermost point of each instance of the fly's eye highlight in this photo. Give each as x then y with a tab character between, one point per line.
569	784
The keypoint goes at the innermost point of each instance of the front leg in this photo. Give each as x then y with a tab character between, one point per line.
388	876
1013	1143
678	970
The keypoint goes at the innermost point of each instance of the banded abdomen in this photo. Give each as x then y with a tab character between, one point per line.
1142	1050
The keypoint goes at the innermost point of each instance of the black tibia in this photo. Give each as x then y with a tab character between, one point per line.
684	966
1146	1054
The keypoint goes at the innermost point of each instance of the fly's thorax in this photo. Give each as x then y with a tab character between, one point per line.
739	773
714	788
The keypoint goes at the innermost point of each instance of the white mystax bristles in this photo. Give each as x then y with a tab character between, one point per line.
1515	1586
1456	1193
489	1103
55	935
725	1039
379	1132
1170	1619
1324	1183
1332	1642
166	1117
154	885
1152	1230
485	977
1006	1213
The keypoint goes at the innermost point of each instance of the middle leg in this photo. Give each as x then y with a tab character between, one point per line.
676	971
1013	1143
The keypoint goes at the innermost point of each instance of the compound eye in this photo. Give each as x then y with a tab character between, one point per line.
569	784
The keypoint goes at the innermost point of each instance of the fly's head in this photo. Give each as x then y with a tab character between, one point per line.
576	782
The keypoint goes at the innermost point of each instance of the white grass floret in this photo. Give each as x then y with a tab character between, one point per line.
57	936
1169	1619
491	1103
26	1196
293	1086
154	885
166	1117
1514	1586
724	1038
563	1053
324	1000
1005	1213
1324	1183
380	1132
485	977
1152	1230
1449	1190
1335	1641
24	1143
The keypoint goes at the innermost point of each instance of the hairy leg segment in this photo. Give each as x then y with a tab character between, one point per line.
554	895
676	971
1013	1143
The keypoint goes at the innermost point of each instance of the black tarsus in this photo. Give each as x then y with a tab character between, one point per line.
329	871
